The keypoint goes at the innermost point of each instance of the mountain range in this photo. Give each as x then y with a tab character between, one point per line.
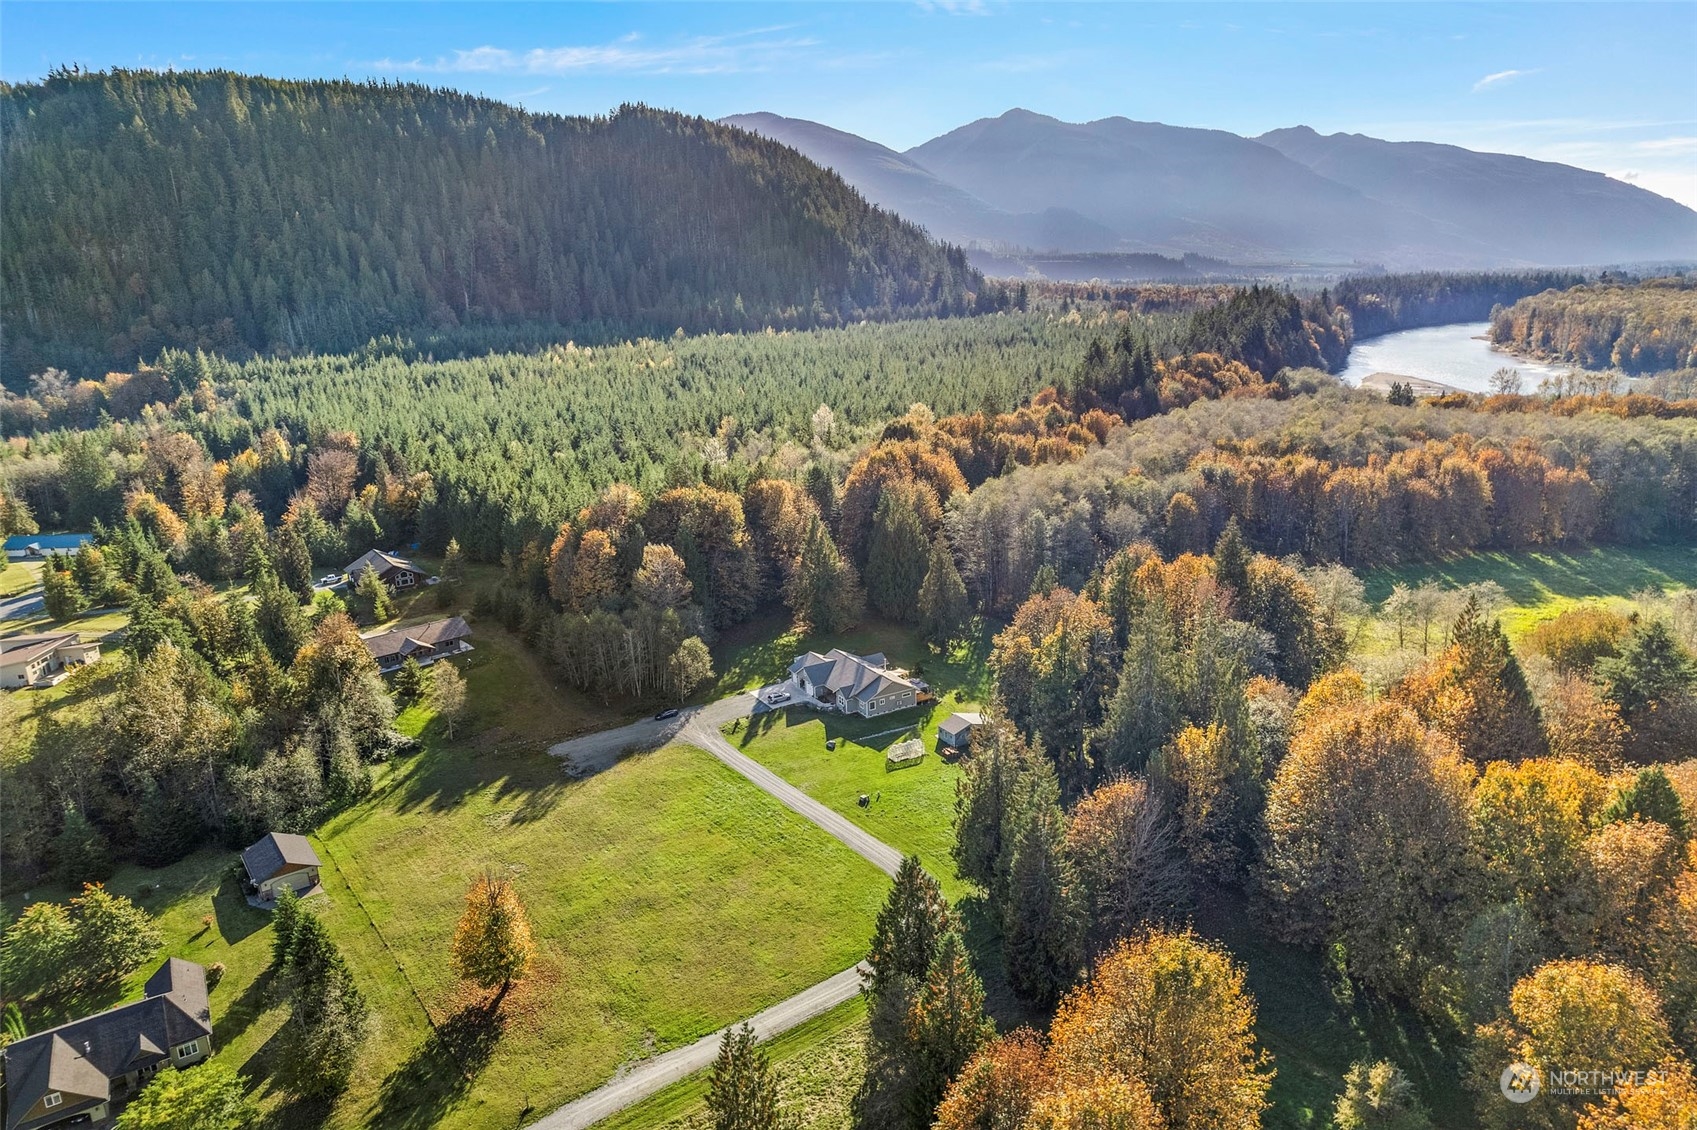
1291	196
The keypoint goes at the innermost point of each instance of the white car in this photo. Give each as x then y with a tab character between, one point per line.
778	696
329	580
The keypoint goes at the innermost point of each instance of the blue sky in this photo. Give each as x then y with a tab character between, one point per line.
1604	86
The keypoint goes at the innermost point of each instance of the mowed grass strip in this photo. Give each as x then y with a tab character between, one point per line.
1540	585
669	897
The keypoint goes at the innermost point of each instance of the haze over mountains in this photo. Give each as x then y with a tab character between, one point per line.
1025	180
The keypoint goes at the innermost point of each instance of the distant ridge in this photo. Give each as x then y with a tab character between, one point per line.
1289	197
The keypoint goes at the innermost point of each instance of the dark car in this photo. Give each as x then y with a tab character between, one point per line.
669	712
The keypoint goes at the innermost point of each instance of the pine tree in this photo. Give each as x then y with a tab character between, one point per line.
80	851
1500	721
411	683
292	560
492	945
742	1093
1041	919
62	595
1231	559
1650	796
946	1026
904	938
328	1016
896	555
279	619
943	605
285	917
371	599
453	575
823	592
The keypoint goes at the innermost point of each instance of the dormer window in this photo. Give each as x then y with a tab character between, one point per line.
52	1099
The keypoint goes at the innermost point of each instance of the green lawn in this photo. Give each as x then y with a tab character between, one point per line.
818	1066
19	576
754	654
1315	1028
1541	585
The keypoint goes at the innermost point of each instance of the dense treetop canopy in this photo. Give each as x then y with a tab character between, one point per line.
235	213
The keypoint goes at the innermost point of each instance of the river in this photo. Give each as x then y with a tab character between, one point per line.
1456	354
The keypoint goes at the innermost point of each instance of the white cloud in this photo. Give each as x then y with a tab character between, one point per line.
751	50
1668	145
1500	77
954	7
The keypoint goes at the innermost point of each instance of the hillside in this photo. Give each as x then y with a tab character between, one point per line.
1522	210
234	213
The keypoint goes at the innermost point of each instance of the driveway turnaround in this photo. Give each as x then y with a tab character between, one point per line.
663	1070
602	750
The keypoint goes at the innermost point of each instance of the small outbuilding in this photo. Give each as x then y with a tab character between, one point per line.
280	860
956	730
903	755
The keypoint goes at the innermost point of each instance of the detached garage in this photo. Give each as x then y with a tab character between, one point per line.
277	861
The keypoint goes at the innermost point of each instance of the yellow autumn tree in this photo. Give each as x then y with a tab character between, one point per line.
492	945
1167	1013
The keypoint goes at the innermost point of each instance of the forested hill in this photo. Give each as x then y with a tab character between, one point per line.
235	213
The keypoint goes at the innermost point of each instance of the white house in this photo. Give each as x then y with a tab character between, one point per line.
31	661
854	684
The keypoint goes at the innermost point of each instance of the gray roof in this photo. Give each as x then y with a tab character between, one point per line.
419	637
382	562
960	723
277	854
80	1058
857	676
24	649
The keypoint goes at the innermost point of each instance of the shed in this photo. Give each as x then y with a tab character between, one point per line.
956	730
280	860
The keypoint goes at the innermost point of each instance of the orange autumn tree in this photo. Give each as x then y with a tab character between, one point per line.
492	945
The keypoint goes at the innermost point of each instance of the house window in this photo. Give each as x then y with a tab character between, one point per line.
52	1099
188	1049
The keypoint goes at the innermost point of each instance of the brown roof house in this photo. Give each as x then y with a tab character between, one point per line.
393	570
41	661
277	861
75	1072
854	684
423	643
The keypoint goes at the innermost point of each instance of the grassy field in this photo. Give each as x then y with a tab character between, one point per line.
818	1066
669	898
1539	586
19	576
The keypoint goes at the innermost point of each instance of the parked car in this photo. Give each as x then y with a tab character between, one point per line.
669	712
329	580
778	696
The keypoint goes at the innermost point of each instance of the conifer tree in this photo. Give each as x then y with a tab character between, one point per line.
1042	920
944	608
896	555
1231	559
1650	796
742	1093
1500	721
371	599
947	1026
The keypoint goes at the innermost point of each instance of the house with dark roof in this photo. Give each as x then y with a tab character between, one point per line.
75	1072
278	860
422	643
393	570
853	684
42	660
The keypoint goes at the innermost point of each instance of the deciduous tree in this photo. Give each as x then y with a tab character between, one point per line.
492	944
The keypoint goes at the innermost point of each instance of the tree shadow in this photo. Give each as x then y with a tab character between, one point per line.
235	1017
982	933
436	1077
236	919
